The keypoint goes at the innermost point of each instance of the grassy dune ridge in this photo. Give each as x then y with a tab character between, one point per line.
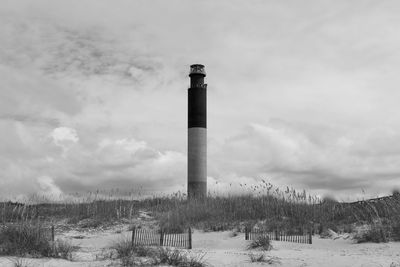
290	211
286	210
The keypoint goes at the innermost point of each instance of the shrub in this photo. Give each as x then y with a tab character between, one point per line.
377	234
261	242
196	261
143	251
171	257
257	257
123	248
179	258
24	239
124	252
63	249
263	258
128	253
396	231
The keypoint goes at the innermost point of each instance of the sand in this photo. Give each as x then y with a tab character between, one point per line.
224	249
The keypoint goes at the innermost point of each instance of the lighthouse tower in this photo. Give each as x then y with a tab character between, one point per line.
197	133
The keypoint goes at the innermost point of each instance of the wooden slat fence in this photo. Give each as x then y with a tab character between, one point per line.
160	238
252	234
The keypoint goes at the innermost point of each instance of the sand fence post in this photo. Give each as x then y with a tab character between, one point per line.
276	235
161	237
310	236
52	232
190	238
246	233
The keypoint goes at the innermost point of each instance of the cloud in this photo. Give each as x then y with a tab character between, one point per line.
64	134
124	163
48	188
290	154
94	93
64	137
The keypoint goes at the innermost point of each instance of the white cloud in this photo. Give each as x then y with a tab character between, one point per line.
341	161
61	134
48	188
64	137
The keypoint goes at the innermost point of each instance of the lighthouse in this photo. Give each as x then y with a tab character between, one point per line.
197	133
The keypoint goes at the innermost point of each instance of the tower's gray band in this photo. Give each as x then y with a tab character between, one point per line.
197	161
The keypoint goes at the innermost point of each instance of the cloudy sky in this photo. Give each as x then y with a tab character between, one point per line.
300	93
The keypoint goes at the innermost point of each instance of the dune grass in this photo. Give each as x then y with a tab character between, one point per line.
261	242
138	255
24	239
287	210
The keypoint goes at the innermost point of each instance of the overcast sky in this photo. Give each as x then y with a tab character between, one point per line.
300	93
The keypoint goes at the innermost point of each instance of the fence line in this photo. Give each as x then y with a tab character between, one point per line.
161	238
252	234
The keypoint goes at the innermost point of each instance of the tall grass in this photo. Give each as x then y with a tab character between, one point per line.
24	239
277	209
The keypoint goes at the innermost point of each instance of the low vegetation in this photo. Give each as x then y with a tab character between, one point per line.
24	239
139	255
261	257
396	230
32	240
63	249
261	242
376	233
263	205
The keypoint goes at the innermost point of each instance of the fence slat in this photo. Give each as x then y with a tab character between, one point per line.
133	236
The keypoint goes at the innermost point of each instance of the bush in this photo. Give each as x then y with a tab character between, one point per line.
170	257
123	248
143	251
376	234
396	231
129	254
63	249
179	258
261	242
24	239
263	258
257	257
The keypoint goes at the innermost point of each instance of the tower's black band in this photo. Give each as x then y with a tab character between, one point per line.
197	107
